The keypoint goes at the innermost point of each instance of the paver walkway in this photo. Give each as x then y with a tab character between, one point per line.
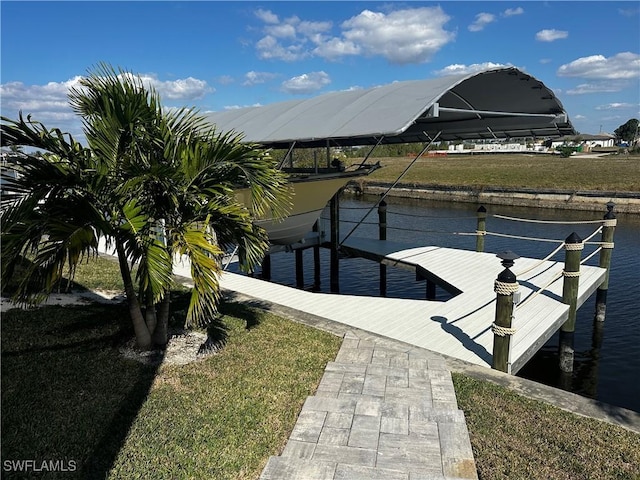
383	410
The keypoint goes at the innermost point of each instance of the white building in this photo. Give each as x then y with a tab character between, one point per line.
585	140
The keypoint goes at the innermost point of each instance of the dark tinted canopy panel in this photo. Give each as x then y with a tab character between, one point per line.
495	103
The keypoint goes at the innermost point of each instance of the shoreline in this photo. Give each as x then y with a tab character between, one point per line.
626	202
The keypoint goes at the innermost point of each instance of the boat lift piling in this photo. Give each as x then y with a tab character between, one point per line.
266	267
316	260
505	287
299	269
334	261
481	228
571	273
608	229
382	235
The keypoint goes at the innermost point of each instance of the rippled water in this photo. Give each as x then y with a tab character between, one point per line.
607	365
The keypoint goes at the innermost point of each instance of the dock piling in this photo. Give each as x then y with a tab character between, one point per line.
316	260
382	235
299	269
605	261
334	264
266	267
505	286
573	251
481	228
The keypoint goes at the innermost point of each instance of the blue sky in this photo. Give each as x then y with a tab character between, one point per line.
220	55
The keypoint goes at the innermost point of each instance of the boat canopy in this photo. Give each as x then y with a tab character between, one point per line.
494	103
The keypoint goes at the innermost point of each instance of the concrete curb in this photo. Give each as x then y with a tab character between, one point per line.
626	202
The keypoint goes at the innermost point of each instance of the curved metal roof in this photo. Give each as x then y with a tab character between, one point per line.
495	103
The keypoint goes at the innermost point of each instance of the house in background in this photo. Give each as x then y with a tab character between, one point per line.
585	142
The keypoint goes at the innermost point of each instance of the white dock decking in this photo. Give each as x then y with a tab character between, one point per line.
459	327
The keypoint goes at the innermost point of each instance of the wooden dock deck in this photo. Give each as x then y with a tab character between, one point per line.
459	327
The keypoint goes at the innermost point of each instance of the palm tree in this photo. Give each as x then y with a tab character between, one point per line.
154	184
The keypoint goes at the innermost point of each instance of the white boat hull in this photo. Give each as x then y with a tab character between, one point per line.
309	197
291	229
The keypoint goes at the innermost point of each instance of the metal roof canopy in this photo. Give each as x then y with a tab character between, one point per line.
494	103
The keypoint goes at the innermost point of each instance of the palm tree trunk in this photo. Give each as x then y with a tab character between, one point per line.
150	312
143	336
161	333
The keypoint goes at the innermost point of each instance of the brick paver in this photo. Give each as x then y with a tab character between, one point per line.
381	411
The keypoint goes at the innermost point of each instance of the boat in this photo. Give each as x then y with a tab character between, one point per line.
311	190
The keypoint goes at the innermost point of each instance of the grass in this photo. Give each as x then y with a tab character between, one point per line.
67	394
610	173
517	438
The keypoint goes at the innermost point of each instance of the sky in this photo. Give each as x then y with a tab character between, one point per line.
216	55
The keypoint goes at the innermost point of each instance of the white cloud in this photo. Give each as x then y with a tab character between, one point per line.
255	78
459	69
290	39
551	35
482	20
510	12
616	106
544	61
597	87
306	83
403	36
579	117
269	48
45	103
282	30
336	48
310	29
49	103
625	65
182	89
267	16
237	107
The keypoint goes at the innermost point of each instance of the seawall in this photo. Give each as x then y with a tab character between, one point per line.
626	202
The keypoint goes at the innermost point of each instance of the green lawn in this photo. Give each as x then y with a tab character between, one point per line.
618	173
514	437
68	394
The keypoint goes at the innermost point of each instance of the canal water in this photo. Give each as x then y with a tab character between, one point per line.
607	362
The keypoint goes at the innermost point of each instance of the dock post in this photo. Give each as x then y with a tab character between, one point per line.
382	235
431	290
299	269
266	267
316	259
334	264
505	287
608	229
573	251
481	228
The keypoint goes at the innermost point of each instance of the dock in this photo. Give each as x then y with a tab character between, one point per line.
459	327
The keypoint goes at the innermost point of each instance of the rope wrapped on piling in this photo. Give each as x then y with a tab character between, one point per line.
502	288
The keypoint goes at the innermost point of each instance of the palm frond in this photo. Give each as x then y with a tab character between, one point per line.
204	255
